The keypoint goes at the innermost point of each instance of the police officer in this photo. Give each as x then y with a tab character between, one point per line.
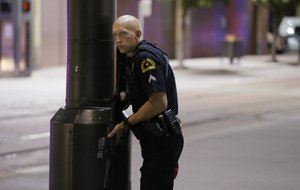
151	90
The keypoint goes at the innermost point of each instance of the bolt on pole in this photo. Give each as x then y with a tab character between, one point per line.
79	155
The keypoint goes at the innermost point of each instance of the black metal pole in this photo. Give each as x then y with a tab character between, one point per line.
299	49
76	128
297	32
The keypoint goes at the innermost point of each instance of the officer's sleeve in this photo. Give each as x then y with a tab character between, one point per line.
151	74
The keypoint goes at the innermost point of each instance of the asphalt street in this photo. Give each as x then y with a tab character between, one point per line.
241	125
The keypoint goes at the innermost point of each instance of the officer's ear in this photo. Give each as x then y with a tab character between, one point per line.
138	33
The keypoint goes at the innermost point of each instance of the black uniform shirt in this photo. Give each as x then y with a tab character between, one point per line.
147	74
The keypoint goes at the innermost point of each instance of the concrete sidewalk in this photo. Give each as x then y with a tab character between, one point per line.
207	72
45	90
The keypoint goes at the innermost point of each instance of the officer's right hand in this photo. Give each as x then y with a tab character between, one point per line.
117	130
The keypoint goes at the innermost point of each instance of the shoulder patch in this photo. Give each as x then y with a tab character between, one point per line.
147	65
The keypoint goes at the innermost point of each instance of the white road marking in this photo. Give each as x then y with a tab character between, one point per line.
35	136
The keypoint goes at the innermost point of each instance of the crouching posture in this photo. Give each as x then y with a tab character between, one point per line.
148	82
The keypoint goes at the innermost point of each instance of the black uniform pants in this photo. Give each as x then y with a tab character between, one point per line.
160	160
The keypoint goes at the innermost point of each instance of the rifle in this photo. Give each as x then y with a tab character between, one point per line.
108	147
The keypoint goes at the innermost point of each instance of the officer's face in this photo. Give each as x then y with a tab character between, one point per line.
125	38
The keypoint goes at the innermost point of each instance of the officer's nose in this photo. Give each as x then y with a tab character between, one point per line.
118	40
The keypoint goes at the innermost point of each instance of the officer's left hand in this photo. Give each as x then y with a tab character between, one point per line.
118	129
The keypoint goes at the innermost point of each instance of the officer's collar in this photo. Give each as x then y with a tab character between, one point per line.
142	42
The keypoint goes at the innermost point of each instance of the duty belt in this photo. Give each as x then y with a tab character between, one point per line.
164	124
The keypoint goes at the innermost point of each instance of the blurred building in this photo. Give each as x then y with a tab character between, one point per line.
207	28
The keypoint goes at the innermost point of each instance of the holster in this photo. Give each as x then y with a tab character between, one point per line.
173	122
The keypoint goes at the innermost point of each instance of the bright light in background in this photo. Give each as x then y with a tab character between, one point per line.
7	64
290	30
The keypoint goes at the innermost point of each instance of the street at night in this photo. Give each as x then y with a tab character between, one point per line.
241	126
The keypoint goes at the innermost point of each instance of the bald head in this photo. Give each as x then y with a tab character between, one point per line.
127	33
130	22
